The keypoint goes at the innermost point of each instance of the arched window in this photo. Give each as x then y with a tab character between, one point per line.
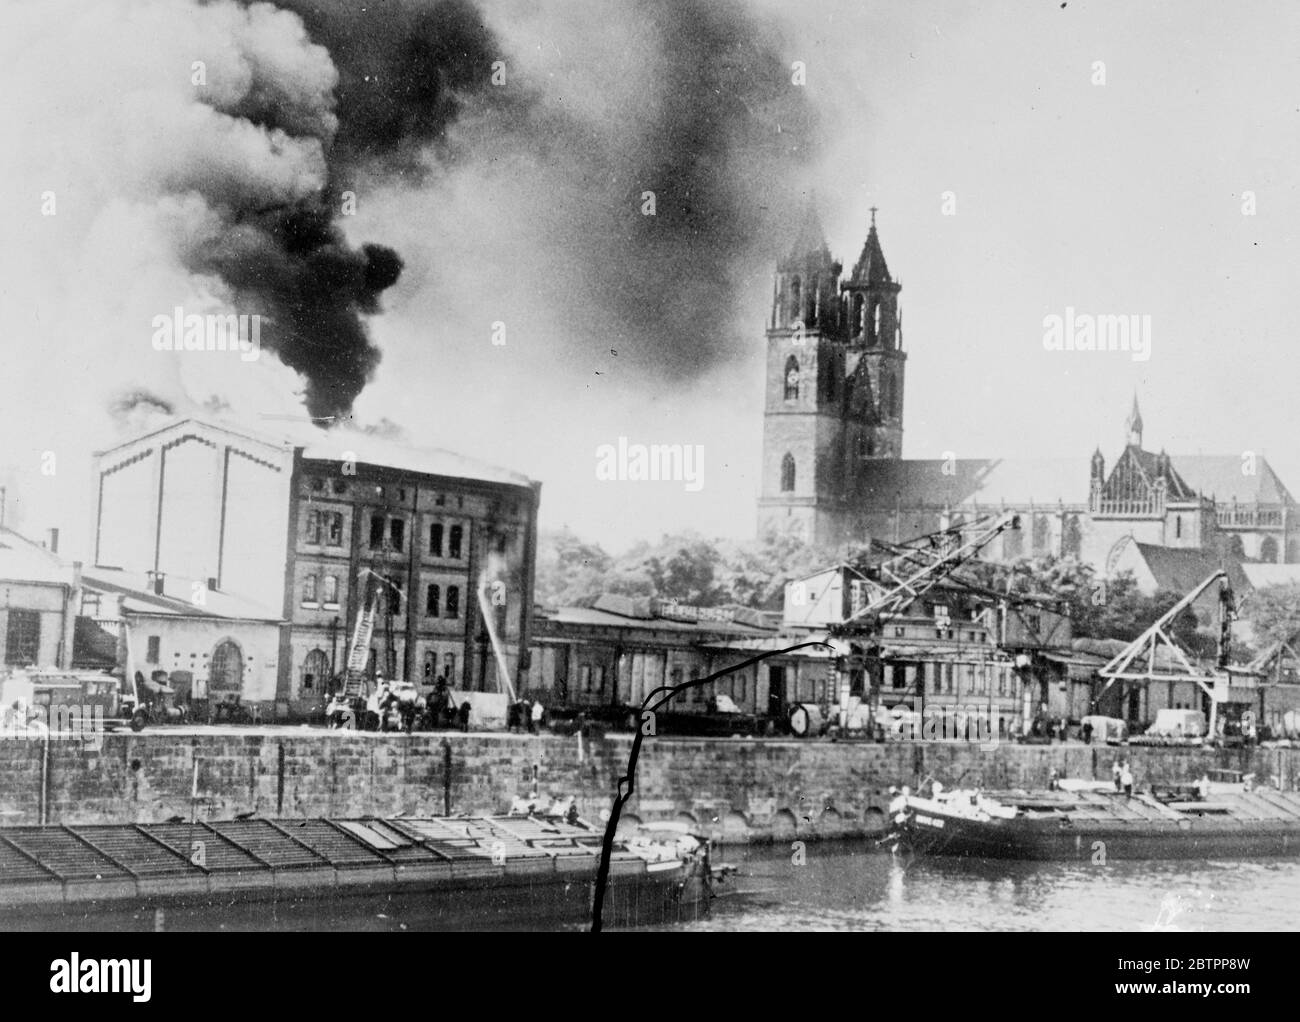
796	299
787	474
857	315
875	324
791	379
315	669
226	669
811	318
431	600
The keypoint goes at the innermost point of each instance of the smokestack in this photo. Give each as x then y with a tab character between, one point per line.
155	581
53	542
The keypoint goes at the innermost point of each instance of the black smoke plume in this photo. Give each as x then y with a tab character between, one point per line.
403	69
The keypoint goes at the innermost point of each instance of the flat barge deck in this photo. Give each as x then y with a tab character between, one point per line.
524	869
1084	825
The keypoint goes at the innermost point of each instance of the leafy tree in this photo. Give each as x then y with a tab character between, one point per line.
1274	612
568	568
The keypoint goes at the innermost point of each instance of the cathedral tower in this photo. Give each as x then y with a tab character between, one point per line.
834	399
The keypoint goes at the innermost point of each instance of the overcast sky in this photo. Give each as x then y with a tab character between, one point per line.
1117	198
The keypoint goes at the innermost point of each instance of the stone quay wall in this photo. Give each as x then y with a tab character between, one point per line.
735	789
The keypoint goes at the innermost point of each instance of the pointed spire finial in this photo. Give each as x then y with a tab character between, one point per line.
873	215
1134	424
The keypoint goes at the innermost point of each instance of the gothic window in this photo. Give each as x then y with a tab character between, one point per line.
811	318
314	669
796	299
875	325
1042	535
791	379
857	315
1072	540
787	474
226	669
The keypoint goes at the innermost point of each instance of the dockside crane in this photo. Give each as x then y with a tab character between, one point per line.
1137	661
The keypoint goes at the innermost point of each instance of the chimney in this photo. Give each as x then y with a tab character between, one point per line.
212	583
53	543
155	582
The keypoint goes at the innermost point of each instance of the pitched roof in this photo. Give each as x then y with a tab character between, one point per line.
1148	463
937	482
1221	477
1180	570
22	560
870	267
141	600
1262	576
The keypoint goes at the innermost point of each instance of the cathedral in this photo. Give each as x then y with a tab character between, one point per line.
833	470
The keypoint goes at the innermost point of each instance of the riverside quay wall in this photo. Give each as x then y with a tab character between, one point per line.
736	789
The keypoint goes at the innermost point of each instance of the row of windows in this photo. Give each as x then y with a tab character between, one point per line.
954	678
316	667
436	602
395	538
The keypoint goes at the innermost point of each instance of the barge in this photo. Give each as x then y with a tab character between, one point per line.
463	872
1093	825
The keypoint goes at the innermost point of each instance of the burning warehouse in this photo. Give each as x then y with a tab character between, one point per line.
323	526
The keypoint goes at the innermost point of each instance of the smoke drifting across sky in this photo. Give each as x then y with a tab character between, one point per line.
520	202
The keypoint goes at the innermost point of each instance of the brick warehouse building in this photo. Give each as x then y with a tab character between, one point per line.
833	469
305	525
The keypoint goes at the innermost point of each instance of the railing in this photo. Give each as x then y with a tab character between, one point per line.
1251	516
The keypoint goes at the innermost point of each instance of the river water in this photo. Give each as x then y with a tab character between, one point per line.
844	886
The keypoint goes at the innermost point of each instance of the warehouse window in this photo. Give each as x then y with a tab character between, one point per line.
449	666
309	591
334	533
435	539
376	531
315	668
313	526
431	599
330	595
397	532
457	533
453	601
430	666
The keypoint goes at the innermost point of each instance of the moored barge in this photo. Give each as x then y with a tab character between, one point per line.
465	872
1097	825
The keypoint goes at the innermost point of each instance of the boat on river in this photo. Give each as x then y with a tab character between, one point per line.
504	871
1091	822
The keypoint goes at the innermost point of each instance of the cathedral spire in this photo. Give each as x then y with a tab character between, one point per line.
810	243
1133	424
871	267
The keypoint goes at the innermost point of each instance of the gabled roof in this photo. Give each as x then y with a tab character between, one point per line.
1148	466
1221	477
344	443
22	560
140	600
1180	570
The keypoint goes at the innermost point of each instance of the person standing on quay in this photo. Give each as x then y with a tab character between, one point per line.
1117	773
1126	778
